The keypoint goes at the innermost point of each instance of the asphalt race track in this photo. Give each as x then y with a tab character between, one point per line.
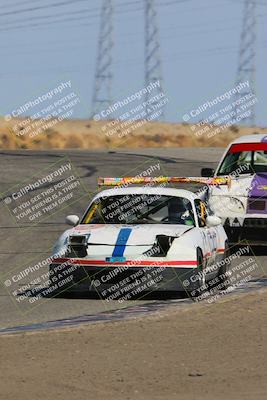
24	243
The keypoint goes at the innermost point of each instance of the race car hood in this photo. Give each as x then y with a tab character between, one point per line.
129	235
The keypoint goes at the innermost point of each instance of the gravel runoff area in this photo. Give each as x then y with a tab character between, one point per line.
204	351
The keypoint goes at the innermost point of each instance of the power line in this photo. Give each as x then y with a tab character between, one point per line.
169	3
35	25
36	8
77	12
68	42
257	2
33	18
134	62
60	14
21	3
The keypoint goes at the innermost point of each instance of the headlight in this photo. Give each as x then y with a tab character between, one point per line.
77	245
221	204
161	246
236	205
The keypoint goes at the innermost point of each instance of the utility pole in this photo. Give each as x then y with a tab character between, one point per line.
247	57
102	95
153	68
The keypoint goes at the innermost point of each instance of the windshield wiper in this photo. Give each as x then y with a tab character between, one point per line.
143	221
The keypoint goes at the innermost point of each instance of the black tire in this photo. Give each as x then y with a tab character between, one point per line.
200	260
197	289
234	234
222	274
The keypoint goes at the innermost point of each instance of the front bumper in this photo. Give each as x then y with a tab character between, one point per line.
115	282
253	230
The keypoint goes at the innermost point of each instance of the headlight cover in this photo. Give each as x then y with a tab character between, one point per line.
220	204
161	246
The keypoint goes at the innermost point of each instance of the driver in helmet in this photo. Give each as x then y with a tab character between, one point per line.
180	211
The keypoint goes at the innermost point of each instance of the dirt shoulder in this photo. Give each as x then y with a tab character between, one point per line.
206	352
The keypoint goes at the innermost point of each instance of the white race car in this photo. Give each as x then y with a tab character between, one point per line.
141	239
242	204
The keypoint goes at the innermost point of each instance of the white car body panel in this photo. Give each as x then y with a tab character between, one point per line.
101	239
232	205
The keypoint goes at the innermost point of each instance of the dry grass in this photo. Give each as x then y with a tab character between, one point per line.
87	134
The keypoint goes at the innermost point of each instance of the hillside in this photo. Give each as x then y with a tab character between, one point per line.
88	134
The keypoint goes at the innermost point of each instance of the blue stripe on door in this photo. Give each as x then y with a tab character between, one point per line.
122	239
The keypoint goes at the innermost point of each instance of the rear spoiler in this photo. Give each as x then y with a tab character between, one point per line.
135	180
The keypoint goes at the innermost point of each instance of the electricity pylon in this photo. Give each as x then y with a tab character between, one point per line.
102	95
153	68
247	57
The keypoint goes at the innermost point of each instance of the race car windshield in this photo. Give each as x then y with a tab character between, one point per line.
244	162
140	209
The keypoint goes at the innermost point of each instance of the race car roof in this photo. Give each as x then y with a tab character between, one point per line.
162	191
258	138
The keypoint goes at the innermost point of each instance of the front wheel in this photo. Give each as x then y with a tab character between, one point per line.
223	273
199	278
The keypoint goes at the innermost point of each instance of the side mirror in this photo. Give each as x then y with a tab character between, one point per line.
213	220
207	172
72	220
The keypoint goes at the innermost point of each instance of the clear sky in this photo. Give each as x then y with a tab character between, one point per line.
41	46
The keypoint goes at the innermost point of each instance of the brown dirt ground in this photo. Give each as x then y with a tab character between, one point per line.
88	134
209	352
